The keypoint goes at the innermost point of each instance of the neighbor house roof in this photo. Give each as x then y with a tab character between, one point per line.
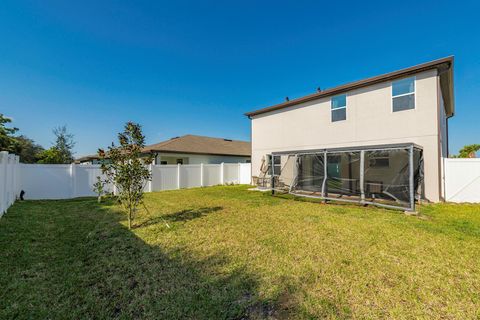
445	71
202	145
87	158
195	145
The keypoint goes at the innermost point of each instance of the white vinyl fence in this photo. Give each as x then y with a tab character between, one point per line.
462	180
58	181
9	180
169	177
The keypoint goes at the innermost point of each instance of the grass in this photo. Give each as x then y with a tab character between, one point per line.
236	254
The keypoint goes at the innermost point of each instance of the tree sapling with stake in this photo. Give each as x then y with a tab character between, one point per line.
127	168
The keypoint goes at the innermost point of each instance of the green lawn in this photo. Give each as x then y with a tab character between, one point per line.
233	253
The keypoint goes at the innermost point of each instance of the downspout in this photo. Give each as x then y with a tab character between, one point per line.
439	145
441	164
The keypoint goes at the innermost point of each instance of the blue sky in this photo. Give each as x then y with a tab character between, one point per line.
180	67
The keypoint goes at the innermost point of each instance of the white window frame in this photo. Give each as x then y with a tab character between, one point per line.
404	94
338	108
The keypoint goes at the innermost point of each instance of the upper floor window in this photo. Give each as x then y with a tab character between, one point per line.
403	94
339	107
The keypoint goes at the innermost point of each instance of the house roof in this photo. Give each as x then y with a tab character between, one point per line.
195	145
202	145
445	71
87	158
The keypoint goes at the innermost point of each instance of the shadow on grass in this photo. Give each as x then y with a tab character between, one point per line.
180	216
74	259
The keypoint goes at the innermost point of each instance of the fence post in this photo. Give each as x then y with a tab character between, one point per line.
3	182
149	182
11	168
201	174
239	172
8	176
222	177
73	173
178	175
16	175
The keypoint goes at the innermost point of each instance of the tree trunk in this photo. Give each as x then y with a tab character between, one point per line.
99	199
129	218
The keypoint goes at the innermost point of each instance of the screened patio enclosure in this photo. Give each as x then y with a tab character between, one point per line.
389	175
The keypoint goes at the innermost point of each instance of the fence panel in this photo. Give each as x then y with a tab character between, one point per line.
164	177
462	180
190	176
245	173
231	173
211	175
84	177
47	181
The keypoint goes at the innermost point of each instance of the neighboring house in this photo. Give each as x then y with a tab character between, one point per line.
406	106
191	149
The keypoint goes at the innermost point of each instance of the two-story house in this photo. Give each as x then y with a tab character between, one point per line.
401	109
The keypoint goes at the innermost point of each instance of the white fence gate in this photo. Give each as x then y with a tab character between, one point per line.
9	180
462	180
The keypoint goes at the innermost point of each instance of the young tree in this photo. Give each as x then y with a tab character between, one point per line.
64	144
99	189
126	169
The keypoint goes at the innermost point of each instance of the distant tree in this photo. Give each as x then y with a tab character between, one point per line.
6	134
64	144
51	156
27	149
126	169
468	151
